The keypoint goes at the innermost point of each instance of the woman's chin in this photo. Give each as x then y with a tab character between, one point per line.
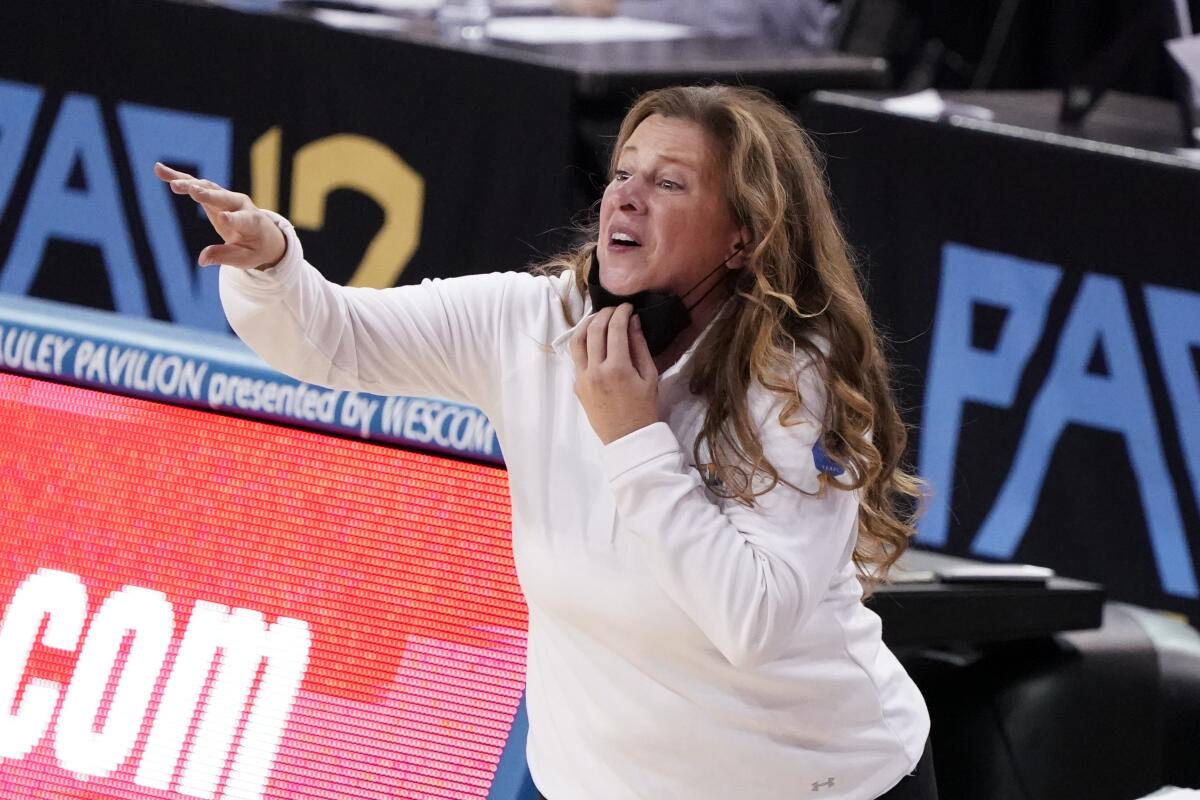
621	286
618	280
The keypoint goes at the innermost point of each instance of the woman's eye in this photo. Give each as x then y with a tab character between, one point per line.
620	176
669	185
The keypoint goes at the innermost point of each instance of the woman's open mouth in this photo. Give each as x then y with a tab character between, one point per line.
621	240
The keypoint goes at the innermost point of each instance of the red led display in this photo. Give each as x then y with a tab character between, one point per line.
205	606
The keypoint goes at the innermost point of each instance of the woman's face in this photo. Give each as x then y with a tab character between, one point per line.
664	221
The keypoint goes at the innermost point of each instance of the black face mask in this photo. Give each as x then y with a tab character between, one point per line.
663	314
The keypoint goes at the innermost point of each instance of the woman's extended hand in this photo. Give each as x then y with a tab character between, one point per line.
615	377
251	238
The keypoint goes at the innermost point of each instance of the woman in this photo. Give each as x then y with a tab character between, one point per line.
703	458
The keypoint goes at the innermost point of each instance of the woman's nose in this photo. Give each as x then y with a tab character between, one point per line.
628	194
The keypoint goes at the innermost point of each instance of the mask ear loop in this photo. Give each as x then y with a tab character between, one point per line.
709	291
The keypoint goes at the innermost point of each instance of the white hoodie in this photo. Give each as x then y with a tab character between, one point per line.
680	645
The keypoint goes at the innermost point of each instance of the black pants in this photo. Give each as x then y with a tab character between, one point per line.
920	785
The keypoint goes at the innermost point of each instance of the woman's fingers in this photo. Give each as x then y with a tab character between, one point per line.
200	189
597	337
229	254
217	199
613	335
243	247
643	362
588	345
627	343
251	238
579	349
171	174
233	255
257	241
618	334
168	174
243	225
210	194
617	397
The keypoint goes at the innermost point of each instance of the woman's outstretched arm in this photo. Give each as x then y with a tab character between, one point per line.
439	338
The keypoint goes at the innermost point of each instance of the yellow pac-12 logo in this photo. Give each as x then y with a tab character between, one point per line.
346	161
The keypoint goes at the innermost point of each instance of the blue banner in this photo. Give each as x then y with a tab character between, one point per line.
173	364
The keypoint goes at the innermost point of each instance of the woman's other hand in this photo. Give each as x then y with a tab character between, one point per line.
251	238
615	377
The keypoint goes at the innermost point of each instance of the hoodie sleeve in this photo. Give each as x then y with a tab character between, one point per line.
439	338
750	578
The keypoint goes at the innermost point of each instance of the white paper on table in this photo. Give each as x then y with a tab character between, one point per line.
528	6
1173	793
358	20
558	30
929	104
410	6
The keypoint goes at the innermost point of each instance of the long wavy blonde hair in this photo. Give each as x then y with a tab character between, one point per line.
798	286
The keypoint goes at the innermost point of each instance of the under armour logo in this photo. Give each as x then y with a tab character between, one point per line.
825	784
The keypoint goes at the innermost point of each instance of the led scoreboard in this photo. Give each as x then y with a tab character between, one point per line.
197	604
